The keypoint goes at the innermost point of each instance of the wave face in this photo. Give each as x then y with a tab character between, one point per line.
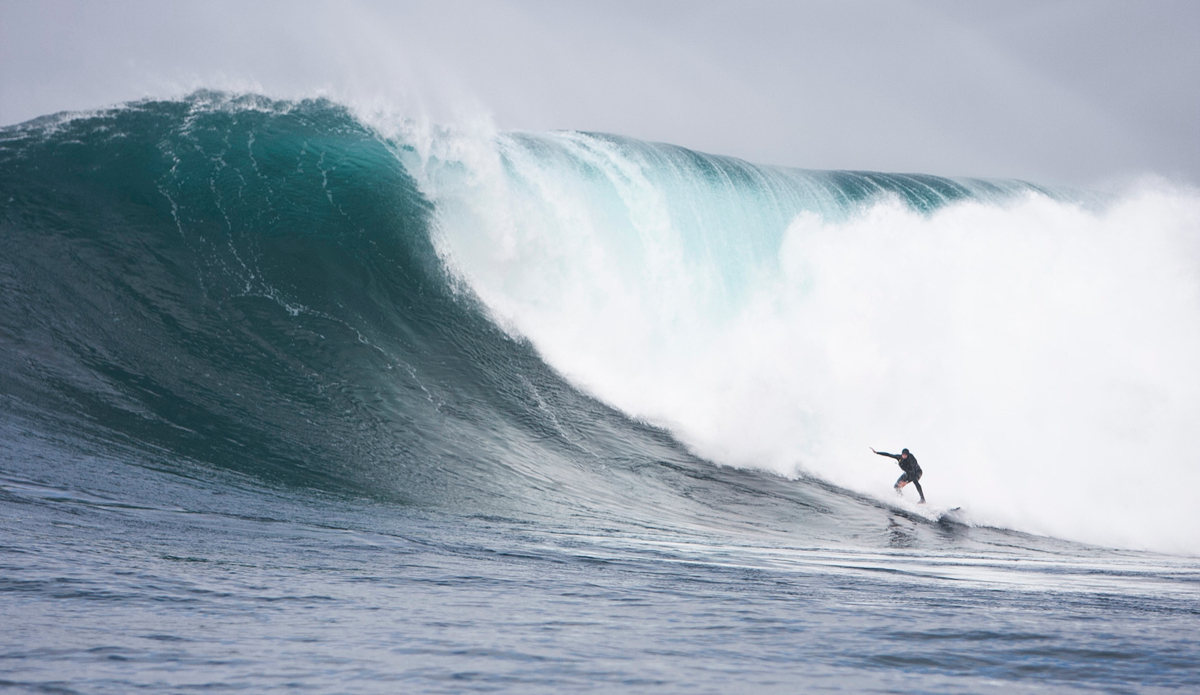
1036	349
251	285
570	327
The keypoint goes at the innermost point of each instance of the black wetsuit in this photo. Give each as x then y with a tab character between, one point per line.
912	471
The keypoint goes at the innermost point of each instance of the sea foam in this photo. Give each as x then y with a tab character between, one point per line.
1037	351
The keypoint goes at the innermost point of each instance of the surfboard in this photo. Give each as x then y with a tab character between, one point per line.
951	516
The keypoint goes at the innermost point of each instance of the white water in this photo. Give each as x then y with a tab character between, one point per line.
1040	358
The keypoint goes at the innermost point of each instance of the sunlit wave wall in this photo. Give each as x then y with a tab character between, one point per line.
1038	350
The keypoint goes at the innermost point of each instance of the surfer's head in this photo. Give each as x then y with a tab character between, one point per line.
904	452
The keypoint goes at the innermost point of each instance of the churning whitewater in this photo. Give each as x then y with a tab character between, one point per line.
290	399
1038	348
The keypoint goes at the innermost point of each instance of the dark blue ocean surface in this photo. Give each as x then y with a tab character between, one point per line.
254	437
218	584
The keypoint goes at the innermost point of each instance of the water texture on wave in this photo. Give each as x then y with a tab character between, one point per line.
251	285
270	288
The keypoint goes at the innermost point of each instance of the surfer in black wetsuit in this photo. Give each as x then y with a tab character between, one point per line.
912	470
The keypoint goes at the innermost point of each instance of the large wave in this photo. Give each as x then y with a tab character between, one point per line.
251	285
278	289
1036	349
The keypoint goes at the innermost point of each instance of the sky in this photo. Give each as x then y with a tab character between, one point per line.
1074	92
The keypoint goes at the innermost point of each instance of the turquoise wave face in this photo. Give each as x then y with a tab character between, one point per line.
251	284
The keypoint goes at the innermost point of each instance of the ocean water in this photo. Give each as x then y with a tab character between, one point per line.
296	400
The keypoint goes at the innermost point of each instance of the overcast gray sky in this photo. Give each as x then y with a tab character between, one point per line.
1057	91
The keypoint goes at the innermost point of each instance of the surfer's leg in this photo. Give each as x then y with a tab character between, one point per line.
901	481
920	492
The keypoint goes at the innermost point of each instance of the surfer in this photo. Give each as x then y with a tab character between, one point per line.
912	470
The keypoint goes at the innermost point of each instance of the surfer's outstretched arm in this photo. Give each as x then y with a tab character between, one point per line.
884	453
